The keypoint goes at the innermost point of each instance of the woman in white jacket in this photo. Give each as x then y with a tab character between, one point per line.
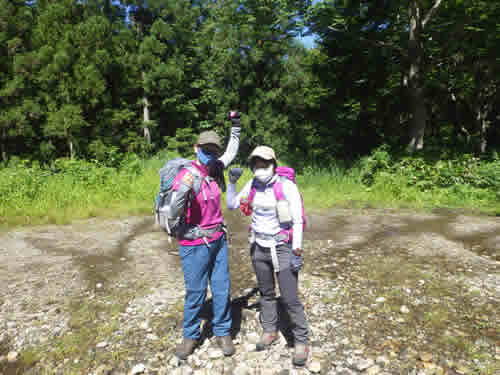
275	245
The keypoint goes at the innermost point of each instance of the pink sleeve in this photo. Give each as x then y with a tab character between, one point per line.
178	179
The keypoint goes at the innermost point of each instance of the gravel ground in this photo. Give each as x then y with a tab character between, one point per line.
385	292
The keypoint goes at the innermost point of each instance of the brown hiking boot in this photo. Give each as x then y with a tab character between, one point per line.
185	348
226	344
266	340
300	354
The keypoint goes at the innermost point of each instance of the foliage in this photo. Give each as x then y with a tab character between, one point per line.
68	189
429	173
93	80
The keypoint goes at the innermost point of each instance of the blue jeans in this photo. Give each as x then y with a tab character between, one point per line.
201	265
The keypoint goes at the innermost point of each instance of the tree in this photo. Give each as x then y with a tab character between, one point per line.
419	18
249	43
74	50
18	105
383	24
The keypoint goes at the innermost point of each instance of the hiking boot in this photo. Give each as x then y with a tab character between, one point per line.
266	340
300	354
226	344
185	348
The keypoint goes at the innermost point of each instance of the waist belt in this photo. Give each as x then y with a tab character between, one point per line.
279	237
195	232
275	239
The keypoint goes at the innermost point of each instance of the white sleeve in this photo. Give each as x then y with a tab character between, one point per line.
233	199
232	147
294	199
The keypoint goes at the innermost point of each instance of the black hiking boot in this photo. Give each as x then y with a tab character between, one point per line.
185	348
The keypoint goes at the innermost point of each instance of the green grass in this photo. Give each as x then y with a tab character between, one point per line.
78	190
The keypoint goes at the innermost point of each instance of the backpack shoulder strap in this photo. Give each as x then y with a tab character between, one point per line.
278	189
198	178
253	190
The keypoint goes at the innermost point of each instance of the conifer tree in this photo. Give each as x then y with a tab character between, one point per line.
18	106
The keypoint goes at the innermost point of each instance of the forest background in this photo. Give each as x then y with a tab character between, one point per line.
395	104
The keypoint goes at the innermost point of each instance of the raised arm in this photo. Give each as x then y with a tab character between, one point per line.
233	198
234	139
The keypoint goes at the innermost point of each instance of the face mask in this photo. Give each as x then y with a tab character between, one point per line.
264	175
205	157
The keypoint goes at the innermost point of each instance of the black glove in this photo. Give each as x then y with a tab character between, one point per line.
234	116
235	174
296	262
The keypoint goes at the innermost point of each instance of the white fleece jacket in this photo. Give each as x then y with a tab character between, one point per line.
264	216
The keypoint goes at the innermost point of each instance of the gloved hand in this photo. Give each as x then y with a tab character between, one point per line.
246	207
235	174
295	262
234	116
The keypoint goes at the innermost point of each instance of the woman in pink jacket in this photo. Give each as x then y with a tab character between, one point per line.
203	247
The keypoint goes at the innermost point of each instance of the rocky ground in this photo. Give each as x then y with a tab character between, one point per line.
385	293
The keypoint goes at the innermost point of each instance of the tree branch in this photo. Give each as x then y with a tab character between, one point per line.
377	43
431	13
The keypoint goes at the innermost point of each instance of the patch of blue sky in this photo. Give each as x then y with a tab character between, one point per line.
309	40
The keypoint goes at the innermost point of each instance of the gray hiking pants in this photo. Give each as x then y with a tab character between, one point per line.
288	284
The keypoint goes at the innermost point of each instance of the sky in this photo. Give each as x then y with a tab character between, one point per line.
308	41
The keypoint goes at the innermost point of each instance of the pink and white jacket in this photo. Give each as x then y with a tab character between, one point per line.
264	216
205	209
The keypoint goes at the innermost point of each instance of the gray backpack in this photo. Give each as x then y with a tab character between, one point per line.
173	225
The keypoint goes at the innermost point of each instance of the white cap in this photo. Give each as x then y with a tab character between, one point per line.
263	152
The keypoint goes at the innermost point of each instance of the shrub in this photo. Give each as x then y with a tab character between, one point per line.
427	174
379	160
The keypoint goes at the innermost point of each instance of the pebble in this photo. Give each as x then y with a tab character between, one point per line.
362	364
174	361
314	367
12	356
253	338
103	370
137	369
339	338
373	370
215	353
382	361
426	357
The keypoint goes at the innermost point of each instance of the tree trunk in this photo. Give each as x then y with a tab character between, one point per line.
146	119
69	138
70	146
417	108
145	101
483	124
418	121
3	151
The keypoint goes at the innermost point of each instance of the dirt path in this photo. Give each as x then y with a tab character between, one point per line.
385	292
